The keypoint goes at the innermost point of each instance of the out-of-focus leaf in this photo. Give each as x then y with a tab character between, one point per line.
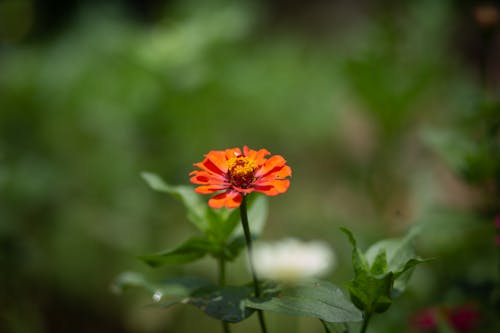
372	294
382	273
234	247
223	303
335	327
222	227
220	222
196	208
128	280
176	288
226	303
359	262
398	250
192	249
379	265
401	258
258	209
318	299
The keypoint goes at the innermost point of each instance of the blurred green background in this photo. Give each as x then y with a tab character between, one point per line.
387	112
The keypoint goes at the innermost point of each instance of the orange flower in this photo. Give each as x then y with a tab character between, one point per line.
238	174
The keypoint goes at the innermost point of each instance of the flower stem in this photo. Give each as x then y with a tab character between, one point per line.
222	272
222	283
365	322
327	330
248	239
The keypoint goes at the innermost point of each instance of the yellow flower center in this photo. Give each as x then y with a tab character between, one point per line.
241	171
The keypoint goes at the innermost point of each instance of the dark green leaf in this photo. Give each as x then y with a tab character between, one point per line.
227	303
318	299
234	247
372	294
191	250
179	287
335	327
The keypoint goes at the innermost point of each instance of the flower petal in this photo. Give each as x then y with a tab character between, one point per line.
258	156
233	152
230	199
279	173
215	162
204	177
208	189
273	188
275	163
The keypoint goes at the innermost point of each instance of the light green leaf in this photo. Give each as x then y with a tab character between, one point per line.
191	250
176	288
221	223
128	280
398	250
195	206
318	299
258	209
379	265
401	258
359	262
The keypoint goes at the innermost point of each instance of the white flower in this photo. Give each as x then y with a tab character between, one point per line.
291	260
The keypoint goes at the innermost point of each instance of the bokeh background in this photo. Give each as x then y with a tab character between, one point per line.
387	111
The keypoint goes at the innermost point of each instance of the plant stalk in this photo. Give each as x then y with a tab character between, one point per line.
365	323
327	330
248	239
222	283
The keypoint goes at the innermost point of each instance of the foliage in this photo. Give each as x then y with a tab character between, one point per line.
378	111
221	237
382	273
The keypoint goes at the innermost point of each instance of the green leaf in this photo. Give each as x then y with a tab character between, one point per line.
371	294
402	276
391	262
191	250
222	227
177	288
335	327
398	250
221	222
233	248
226	303
128	280
379	265
258	209
195	206
401	258
359	261
318	299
